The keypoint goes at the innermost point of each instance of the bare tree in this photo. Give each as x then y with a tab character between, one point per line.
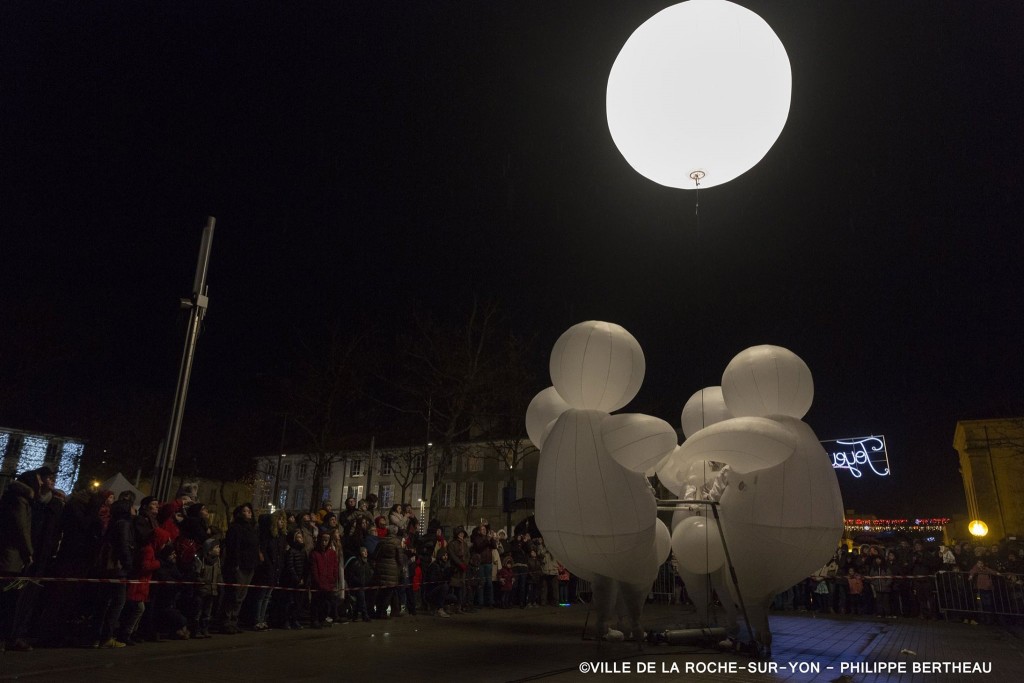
322	399
447	372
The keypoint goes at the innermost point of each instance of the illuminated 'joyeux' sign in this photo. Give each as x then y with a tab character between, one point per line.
861	452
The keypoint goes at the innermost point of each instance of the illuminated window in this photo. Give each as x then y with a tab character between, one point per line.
386	495
5	438
283	497
354	492
33	453
70	461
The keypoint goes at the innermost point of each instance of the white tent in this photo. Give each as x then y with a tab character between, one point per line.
117	484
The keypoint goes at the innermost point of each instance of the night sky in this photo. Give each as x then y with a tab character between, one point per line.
368	160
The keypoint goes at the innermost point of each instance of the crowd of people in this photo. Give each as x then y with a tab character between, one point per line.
98	569
898	580
101	569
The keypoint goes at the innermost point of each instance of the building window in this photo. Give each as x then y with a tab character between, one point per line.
385	465
417	462
356	468
474	463
386	495
447	495
354	492
286	471
283	497
301	502
475	494
302	470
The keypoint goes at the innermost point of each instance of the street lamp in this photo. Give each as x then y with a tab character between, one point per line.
977	528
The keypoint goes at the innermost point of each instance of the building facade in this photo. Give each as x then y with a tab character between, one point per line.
992	466
472	486
21	451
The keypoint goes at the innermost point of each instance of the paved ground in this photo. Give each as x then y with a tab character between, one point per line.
541	644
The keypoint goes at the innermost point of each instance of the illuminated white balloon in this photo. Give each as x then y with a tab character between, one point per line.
704	408
637	442
542	411
767	380
742	443
597	366
697	544
701	86
596	516
662	542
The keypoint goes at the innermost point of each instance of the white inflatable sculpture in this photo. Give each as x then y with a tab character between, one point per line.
594	506
780	508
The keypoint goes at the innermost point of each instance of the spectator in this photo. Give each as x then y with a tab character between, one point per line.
210	578
458	552
242	551
387	564
359	575
273	543
323	573
294	576
439	575
113	562
16	551
482	545
137	593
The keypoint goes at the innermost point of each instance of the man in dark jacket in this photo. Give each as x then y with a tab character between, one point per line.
16	552
117	550
241	555
439	573
46	513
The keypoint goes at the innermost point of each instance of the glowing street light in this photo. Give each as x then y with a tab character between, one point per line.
977	528
699	93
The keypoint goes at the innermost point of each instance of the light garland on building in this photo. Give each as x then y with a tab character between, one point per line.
904	525
70	461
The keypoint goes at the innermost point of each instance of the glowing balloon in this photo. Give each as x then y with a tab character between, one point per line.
596	516
542	411
697	544
743	443
704	408
662	542
701	86
597	366
767	380
637	442
784	521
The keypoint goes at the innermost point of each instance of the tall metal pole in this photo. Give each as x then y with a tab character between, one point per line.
198	303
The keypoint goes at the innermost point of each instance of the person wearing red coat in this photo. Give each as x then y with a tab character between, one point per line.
138	591
323	571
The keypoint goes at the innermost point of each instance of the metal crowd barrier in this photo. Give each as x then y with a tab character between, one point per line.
959	598
661	590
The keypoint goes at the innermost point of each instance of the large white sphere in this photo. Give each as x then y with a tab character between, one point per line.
704	408
703	85
638	442
697	543
542	411
767	380
596	516
597	366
